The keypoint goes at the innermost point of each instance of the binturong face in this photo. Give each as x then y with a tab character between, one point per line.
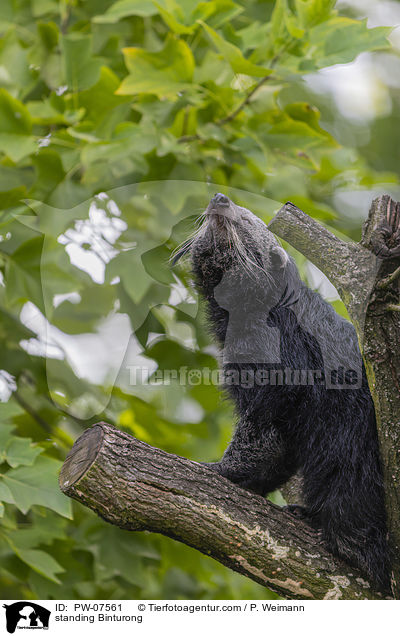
232	240
244	274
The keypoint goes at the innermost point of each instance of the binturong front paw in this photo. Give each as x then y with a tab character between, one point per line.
297	511
302	513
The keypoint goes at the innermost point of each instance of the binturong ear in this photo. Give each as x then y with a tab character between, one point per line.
279	258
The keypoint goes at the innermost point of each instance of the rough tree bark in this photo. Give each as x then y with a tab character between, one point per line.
367	277
139	487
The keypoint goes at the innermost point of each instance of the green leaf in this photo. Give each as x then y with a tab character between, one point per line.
14	116
58	276
23	274
307	113
44	529
218	12
36	485
82	70
296	130
100	99
40	562
123	265
44	113
340	40
10	408
49	172
15	450
14	178
293	27
49	34
125	8
15	126
5	493
41	7
233	54
21	451
17	146
122	155
312	12
164	73
10	198
96	302
175	25
185	123
285	24
278	26
6	434
14	183
132	142
117	557
6	11
15	73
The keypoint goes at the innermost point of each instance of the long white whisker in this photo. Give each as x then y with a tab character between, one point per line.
200	219
185	245
249	264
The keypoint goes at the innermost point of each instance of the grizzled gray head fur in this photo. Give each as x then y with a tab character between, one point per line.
239	265
233	239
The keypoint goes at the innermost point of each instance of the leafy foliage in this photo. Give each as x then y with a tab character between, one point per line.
117	122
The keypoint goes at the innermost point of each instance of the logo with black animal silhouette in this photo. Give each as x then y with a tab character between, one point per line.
26	615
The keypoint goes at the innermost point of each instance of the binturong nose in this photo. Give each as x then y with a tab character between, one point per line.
219	199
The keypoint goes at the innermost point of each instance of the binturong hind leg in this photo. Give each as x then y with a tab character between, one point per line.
256	459
349	506
364	547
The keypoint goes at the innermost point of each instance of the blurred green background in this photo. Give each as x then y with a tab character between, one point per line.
118	121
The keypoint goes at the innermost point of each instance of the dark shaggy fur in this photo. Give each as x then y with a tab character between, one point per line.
324	428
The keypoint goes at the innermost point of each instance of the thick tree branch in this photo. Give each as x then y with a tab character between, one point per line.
366	275
138	487
350	267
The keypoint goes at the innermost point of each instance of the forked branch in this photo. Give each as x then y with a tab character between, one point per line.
138	487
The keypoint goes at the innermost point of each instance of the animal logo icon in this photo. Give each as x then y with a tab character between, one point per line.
26	615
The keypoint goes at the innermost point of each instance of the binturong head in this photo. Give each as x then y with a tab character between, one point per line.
234	246
245	276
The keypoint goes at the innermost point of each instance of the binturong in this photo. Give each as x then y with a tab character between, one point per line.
293	369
